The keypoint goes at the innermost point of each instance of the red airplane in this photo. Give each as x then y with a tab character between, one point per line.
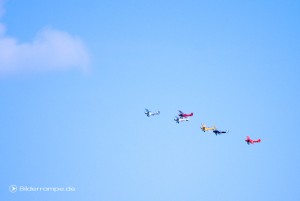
250	141
183	115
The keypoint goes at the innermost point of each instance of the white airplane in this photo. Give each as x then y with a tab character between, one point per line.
149	113
178	120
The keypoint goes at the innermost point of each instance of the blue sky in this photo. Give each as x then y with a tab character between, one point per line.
75	78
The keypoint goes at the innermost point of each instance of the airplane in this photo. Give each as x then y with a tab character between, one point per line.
178	119
204	128
149	113
218	132
183	115
250	141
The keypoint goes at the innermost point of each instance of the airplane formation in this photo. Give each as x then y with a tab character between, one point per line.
182	117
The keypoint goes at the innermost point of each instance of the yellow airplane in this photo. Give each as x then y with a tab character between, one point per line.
205	128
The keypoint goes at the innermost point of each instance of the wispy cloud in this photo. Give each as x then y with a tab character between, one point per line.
49	50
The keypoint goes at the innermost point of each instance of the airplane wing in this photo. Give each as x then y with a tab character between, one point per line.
180	112
147	110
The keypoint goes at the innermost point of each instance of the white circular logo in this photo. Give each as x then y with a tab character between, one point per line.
13	188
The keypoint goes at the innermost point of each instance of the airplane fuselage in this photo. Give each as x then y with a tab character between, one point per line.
181	119
186	115
152	113
208	128
250	141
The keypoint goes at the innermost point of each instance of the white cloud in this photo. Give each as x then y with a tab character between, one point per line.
50	50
